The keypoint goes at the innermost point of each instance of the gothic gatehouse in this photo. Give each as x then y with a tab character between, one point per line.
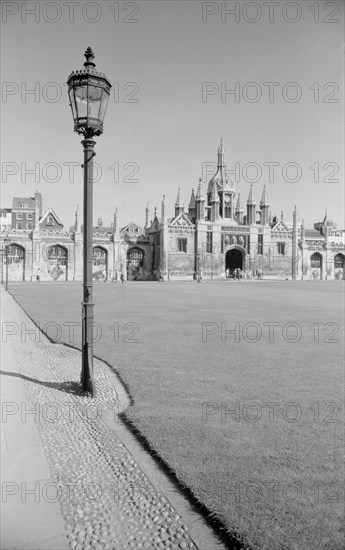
215	237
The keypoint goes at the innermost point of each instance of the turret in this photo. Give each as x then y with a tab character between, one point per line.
179	207
302	232
77	220
251	207
37	217
38	201
192	204
324	227
221	154
116	221
200	203
147	215
214	203
239	210
264	206
163	210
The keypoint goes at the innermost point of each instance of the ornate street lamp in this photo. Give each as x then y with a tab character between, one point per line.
88	92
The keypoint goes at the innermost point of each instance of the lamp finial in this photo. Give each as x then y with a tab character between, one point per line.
90	56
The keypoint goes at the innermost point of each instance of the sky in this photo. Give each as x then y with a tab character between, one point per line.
172	65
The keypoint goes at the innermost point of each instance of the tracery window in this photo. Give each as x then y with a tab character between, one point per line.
135	257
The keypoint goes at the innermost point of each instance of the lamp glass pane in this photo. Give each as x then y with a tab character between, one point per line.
104	104
94	101
72	102
81	101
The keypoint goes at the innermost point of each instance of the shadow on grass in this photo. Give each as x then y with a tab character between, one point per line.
67	387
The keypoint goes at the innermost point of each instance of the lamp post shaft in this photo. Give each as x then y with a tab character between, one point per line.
6	255
87	374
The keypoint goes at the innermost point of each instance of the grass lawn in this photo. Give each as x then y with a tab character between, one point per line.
272	470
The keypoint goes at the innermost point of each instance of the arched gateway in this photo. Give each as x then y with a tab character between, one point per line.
234	259
135	264
15	258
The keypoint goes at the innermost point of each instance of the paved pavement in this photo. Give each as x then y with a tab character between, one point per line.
73	476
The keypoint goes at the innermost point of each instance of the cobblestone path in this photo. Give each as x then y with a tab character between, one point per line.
106	500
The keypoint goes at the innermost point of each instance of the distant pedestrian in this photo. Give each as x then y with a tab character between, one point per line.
169	275
38	276
161	276
122	278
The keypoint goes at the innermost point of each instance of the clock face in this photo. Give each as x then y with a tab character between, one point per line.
227	198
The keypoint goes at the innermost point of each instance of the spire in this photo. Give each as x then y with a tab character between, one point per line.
239	210
155	212
251	207
239	207
264	199
200	203
192	200
251	198
220	175
179	198
179	208
77	220
221	154
199	193
147	214
116	221
37	217
163	212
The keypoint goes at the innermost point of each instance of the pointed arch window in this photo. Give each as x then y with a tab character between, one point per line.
57	255
339	261
15	254
99	256
315	261
182	245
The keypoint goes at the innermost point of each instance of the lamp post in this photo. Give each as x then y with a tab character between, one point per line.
198	267
4	253
6	257
88	92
